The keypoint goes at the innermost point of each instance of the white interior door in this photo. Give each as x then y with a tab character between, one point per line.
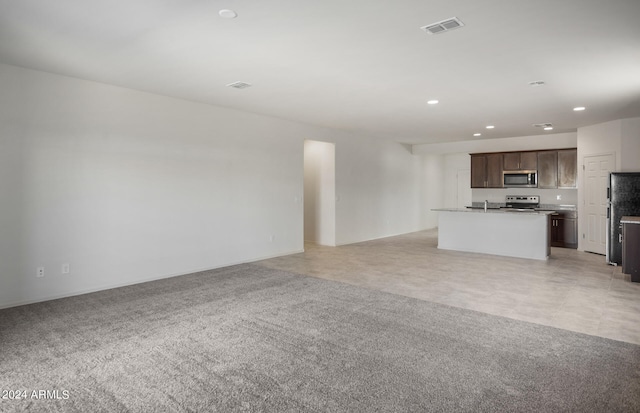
596	175
464	188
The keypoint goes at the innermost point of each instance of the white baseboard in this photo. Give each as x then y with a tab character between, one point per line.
126	284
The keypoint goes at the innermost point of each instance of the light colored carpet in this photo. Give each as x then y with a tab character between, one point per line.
249	338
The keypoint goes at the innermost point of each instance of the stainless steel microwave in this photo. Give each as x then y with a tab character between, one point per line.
520	179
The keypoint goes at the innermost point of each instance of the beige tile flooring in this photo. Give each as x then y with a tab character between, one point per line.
572	290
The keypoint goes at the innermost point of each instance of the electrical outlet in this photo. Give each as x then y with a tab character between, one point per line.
65	268
40	272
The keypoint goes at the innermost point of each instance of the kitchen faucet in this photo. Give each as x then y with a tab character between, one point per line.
486	203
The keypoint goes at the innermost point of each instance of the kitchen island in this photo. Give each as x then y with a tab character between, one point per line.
496	231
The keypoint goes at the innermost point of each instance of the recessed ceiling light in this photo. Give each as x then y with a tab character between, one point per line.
228	14
432	102
490	127
579	108
548	128
477	134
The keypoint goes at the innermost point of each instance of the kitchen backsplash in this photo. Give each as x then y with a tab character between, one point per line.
547	196
541	206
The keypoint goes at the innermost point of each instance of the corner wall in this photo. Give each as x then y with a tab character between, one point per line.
378	190
127	186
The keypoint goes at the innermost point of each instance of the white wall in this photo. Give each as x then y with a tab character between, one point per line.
600	139
319	193
630	145
621	138
378	190
433	195
128	186
520	143
455	164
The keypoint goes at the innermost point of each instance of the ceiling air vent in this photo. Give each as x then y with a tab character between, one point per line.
239	85
443	26
542	125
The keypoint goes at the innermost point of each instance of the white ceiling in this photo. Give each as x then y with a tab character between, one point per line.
357	65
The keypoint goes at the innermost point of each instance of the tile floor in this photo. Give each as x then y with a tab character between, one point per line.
572	290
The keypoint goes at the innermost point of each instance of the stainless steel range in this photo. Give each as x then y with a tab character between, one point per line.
522	203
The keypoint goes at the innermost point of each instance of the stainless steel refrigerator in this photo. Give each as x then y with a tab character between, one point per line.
624	200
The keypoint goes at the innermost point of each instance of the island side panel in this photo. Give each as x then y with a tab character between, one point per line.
520	235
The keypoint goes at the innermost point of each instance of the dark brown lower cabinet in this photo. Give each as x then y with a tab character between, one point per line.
631	247
564	229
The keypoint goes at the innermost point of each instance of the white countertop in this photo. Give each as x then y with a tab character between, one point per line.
494	211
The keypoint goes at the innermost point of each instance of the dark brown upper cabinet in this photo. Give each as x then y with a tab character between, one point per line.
486	170
494	170
520	161
478	171
567	168
548	169
558	169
